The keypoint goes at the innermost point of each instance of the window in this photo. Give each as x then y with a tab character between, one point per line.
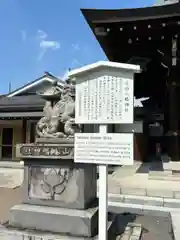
7	143
32	132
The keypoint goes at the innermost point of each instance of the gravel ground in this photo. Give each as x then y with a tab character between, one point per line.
8	198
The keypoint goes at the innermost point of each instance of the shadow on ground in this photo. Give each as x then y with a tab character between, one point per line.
154	228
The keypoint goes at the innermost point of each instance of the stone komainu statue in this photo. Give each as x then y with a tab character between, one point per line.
59	113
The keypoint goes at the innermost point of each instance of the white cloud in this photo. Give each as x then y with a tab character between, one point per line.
49	44
64	75
72	65
75	46
46	44
41	34
75	63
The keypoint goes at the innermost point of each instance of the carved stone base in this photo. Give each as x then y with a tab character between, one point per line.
65	185
53	219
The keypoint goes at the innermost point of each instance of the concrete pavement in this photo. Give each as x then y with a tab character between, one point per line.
127	193
12	164
11	178
137	205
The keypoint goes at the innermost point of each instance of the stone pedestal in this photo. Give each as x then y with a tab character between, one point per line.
59	196
63	184
13	233
55	219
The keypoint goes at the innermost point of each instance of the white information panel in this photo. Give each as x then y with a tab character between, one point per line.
105	99
113	149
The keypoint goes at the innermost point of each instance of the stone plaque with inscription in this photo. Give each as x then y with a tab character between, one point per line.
113	149
37	150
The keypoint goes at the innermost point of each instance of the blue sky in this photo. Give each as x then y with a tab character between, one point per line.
48	35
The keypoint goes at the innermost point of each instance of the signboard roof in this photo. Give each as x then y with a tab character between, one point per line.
94	66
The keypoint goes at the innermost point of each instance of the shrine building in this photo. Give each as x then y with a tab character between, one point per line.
148	37
19	112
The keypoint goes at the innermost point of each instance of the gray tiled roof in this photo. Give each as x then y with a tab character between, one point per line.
18	103
46	74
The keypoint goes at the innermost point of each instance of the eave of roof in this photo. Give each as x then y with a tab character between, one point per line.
24	114
131	14
106	26
21	103
46	77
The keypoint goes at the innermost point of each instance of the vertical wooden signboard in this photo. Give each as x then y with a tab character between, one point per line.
104	95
